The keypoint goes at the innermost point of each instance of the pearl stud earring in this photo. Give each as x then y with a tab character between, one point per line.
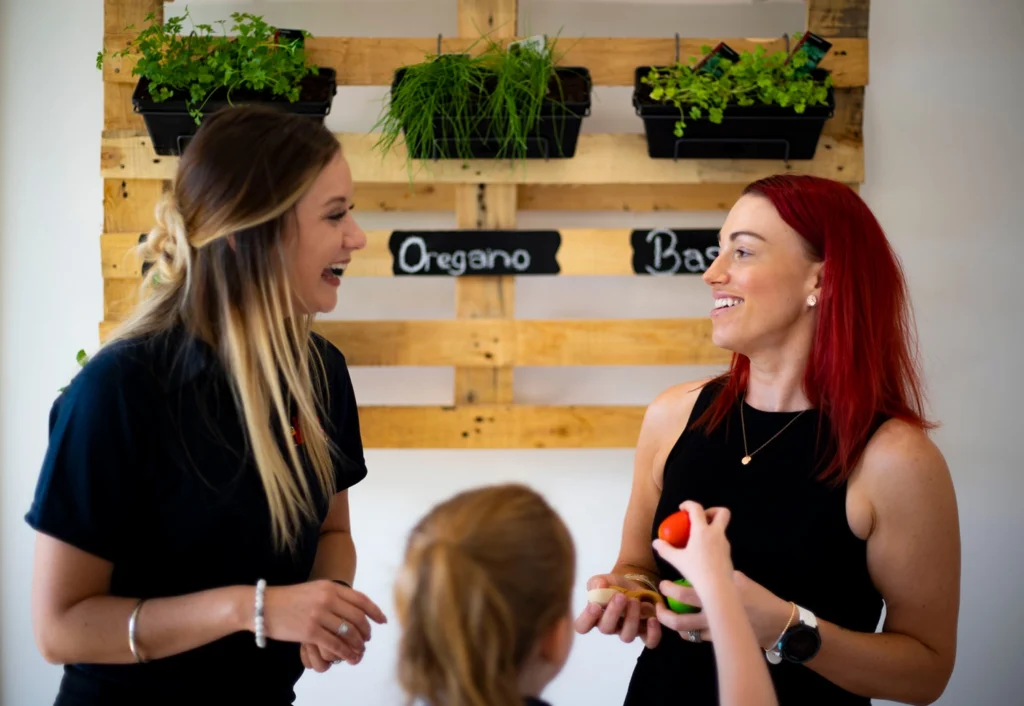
811	300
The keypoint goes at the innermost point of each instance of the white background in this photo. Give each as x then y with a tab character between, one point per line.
943	153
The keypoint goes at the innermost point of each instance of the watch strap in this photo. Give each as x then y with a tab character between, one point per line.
807	617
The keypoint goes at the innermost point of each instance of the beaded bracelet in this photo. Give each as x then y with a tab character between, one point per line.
261	637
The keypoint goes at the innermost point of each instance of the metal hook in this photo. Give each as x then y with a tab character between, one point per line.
677	47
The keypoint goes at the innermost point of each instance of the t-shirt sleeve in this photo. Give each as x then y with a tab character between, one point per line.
83	494
345	430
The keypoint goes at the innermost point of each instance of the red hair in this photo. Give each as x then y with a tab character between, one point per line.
863	358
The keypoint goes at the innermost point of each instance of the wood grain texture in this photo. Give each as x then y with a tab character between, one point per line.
839	19
612	61
500	427
485	206
600	159
497	17
501	343
129	204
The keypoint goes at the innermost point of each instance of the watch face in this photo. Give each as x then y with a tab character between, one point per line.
800	643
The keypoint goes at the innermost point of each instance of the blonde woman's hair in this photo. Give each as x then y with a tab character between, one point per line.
218	268
486	573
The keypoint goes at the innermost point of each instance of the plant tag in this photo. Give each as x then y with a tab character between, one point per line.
711	63
815	47
537	44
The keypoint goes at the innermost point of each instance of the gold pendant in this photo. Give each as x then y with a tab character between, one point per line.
745	460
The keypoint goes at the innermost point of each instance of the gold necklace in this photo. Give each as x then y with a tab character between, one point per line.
748	456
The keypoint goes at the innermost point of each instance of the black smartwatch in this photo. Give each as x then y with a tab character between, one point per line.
800	642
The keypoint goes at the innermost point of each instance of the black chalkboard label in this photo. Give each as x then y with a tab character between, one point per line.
463	253
673	251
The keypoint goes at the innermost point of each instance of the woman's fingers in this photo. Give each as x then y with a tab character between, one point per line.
354	616
362	602
588	618
327	639
681	622
653	633
312	657
349	630
613	612
631	623
683	594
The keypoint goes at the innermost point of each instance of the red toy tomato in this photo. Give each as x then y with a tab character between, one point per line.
675	529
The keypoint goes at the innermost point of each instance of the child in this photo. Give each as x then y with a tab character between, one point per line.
743	678
484	600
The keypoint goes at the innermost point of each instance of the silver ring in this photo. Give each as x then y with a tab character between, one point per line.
343	628
693	635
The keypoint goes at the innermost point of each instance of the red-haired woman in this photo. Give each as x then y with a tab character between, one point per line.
816	442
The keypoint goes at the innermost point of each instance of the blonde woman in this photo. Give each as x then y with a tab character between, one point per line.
484	600
192	513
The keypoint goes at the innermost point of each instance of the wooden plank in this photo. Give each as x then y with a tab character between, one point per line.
490	344
117	108
485	206
493	344
500	427
118	17
637	198
839	19
600	159
612	61
129	204
404	197
121	14
119	298
482	16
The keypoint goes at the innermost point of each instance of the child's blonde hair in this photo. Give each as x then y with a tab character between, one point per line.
486	573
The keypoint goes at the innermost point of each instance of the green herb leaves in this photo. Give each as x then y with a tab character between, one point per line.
757	78
198	64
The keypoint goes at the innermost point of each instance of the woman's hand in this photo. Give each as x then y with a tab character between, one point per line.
330	620
320	660
621	616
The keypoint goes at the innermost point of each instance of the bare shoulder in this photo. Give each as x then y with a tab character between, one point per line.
902	456
903	472
666	418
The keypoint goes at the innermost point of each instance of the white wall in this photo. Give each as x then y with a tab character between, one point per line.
943	174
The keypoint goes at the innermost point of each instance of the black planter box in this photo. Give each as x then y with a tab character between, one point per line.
554	136
171	127
746	132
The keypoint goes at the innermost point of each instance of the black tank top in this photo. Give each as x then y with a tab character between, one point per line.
788	531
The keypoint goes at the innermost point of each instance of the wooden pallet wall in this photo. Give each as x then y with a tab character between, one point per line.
485	341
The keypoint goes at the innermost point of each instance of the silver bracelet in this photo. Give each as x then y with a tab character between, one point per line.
261	637
133	623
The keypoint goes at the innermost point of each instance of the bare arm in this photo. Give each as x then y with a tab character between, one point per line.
913	556
76	620
743	678
336	552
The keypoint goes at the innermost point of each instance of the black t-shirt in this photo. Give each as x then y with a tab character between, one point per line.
147	468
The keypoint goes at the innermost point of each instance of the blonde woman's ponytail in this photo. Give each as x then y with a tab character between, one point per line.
167	247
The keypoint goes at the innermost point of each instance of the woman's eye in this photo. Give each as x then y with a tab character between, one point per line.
740	252
336	216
